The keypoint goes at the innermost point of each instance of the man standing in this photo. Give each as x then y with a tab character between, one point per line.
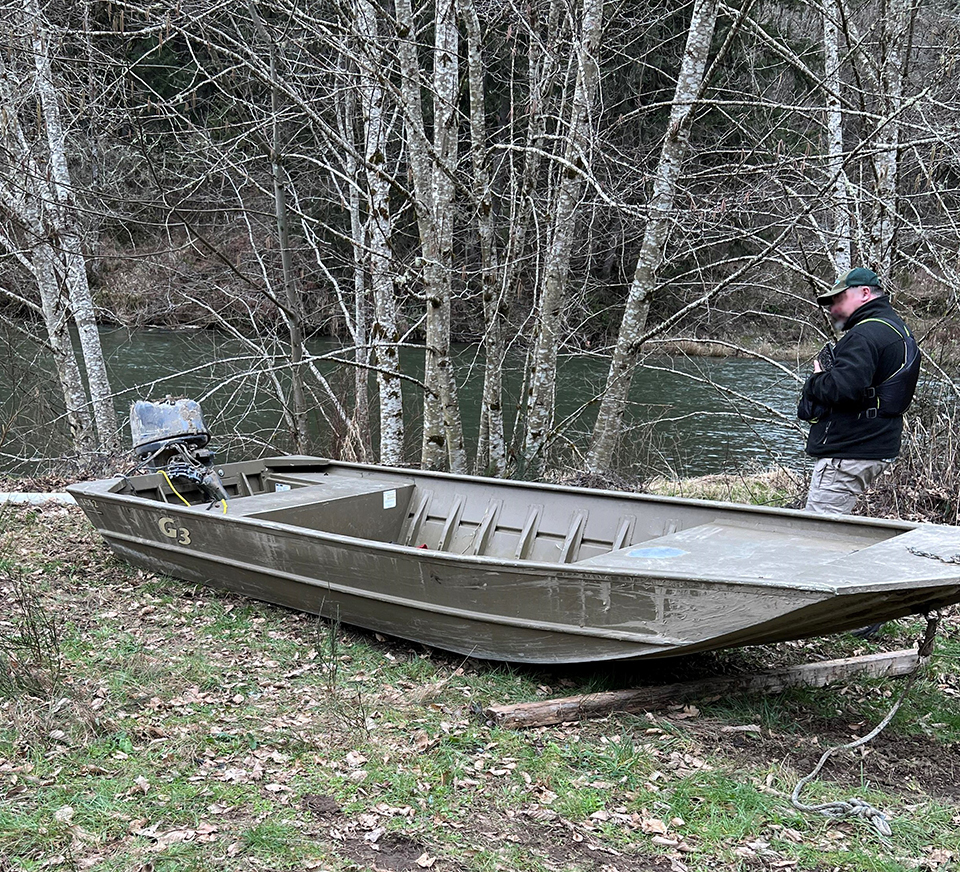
856	402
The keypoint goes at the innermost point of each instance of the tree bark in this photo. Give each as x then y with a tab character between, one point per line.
445	136
620	376
541	392
840	252
42	259
896	31
442	443
385	334
491	444
63	225
358	327
24	190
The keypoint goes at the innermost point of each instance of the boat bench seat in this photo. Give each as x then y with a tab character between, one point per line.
366	508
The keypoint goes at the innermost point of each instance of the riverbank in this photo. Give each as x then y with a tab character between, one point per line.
163	725
781	487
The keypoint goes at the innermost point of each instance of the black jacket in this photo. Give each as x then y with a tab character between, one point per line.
868	353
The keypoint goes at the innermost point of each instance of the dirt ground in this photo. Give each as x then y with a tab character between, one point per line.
908	765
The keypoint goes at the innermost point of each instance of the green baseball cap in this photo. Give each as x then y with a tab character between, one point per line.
854	278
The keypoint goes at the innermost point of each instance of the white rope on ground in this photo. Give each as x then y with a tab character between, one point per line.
856	807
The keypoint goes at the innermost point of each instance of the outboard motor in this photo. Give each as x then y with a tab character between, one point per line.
170	437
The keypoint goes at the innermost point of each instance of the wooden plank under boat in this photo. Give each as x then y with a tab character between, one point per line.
524	572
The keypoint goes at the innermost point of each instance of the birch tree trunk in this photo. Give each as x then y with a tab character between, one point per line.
541	394
358	329
433	194
385	334
56	321
446	78
542	69
620	376
61	220
491	444
23	202
22	195
840	252
292	309
896	31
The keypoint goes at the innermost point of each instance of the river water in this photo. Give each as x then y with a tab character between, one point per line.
687	416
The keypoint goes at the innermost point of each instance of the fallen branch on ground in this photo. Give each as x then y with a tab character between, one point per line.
641	699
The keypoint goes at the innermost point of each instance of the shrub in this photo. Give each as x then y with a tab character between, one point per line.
30	656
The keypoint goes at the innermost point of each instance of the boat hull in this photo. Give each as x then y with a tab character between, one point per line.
624	603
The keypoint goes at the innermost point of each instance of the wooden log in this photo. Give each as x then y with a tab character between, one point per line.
643	699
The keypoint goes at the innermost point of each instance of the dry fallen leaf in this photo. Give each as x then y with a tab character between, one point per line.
355	759
689	711
654	826
937	857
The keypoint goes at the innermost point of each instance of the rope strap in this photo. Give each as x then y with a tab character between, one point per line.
856	807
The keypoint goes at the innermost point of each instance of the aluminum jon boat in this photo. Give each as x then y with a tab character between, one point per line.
515	571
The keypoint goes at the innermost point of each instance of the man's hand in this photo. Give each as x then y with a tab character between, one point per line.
824	359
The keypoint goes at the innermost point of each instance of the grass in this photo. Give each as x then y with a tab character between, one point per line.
773	487
190	729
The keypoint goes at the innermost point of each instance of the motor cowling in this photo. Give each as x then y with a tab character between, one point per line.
158	425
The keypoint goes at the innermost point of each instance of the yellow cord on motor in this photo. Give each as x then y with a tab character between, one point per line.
163	472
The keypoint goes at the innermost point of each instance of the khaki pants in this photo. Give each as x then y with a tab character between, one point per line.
836	483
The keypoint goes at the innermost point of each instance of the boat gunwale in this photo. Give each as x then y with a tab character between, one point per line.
292	461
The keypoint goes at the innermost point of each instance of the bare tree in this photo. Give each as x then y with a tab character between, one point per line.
39	195
543	357
292	310
491	444
689	83
378	234
840	254
22	198
896	34
432	167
